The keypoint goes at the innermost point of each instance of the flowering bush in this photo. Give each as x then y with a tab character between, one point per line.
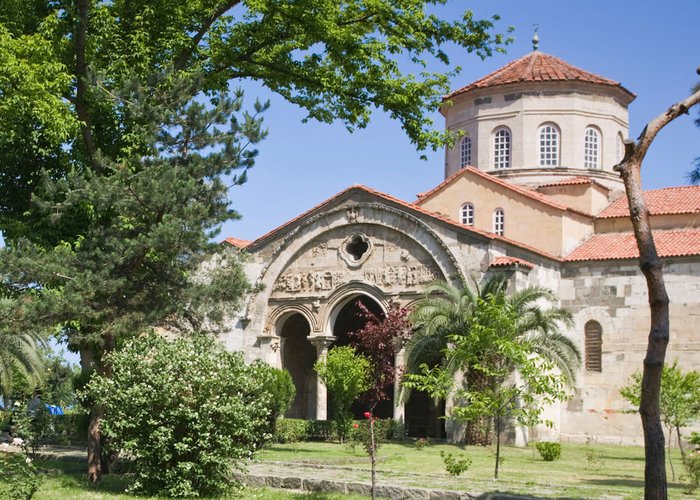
185	411
19	479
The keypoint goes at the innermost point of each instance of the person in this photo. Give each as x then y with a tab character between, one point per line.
35	403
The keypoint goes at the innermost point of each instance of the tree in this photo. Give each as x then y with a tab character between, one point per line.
630	168
121	135
19	354
185	411
346	375
379	340
679	399
447	310
511	382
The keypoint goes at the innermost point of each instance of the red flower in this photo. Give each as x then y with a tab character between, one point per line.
368	414
355	426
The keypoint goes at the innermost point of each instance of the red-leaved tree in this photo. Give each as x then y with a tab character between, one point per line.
380	339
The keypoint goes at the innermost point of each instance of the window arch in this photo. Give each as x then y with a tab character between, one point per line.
591	148
594	346
466	214
499	221
549	145
501	148
465	152
619	148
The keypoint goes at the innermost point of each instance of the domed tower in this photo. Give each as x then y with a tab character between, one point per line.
538	119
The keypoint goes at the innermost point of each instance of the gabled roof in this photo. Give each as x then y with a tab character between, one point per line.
238	243
616	246
667	201
511	261
534	195
574	181
410	206
538	67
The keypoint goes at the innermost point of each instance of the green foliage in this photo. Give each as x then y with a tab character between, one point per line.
291	430
280	385
33	427
455	465
694	439
691	464
549	451
421	443
187	412
19	479
346	375
490	350
679	401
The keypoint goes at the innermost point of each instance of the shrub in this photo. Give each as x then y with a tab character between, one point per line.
19	479
322	430
455	465
5	418
549	451
421	443
187	412
291	430
692	471
281	387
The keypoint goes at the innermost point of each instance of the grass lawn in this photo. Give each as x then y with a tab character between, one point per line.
66	479
583	471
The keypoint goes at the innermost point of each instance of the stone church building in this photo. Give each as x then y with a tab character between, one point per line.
529	191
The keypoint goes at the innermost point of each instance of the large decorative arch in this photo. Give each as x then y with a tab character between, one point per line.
344	294
299	238
277	317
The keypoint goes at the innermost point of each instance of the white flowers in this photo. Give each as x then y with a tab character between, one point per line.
17	441
28	461
4	446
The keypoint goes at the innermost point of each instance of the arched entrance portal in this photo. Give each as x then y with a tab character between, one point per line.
298	357
349	320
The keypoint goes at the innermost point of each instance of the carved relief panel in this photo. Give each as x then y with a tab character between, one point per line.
365	253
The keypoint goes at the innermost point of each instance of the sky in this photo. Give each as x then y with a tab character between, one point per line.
651	47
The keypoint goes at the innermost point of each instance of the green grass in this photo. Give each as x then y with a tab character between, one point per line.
66	479
581	472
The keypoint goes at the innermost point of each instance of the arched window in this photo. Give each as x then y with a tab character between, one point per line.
594	346
498	221
501	148
620	148
591	148
465	152
466	214
549	145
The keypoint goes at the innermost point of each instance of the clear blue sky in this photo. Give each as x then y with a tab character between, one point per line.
651	47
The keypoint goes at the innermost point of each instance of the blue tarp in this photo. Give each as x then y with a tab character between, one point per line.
54	409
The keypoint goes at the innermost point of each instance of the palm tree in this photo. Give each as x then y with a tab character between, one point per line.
447	310
19	354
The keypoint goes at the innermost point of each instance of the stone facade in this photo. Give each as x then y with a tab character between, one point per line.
362	244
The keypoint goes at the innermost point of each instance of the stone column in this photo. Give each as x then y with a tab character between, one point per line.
399	407
321	343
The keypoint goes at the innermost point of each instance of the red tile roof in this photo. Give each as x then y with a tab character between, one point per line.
615	246
238	243
667	201
537	67
510	261
411	206
573	181
534	195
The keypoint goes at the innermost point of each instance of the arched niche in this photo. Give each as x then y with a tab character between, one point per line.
298	358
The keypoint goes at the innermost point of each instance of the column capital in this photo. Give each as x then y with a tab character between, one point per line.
321	342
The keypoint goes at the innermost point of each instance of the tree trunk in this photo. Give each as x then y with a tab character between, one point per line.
88	365
498	446
655	485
